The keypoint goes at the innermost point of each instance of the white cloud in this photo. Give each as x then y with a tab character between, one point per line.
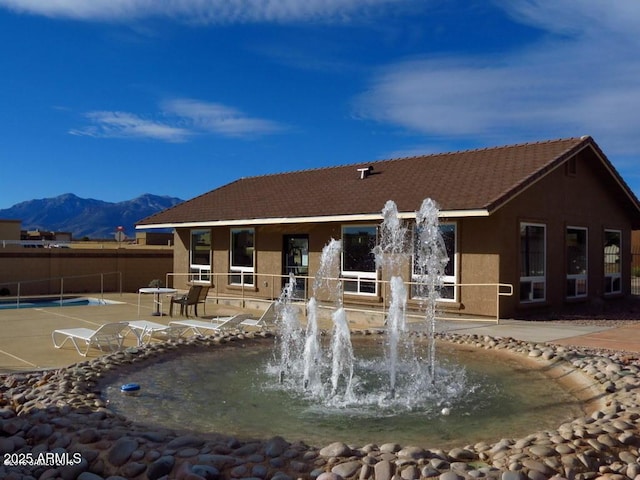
218	118
127	125
201	11
180	120
581	78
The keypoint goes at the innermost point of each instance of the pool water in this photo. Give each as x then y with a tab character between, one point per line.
44	302
229	390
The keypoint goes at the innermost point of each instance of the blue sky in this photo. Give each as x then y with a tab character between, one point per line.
110	99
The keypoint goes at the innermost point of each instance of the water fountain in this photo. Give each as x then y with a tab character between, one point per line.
327	375
305	370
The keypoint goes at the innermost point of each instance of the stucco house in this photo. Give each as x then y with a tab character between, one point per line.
529	226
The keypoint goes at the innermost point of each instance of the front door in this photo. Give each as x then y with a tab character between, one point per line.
295	261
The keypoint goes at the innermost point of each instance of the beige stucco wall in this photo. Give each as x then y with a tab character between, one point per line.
31	267
10	229
561	200
268	244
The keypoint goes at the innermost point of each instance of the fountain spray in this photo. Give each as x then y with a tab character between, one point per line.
431	260
290	330
391	255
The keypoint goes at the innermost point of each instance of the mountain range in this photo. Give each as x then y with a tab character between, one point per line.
86	217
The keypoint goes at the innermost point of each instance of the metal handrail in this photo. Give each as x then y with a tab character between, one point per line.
274	281
61	280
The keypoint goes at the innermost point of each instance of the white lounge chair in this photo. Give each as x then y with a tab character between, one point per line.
268	317
145	331
198	327
108	337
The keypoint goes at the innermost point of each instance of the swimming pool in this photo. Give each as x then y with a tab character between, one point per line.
44	302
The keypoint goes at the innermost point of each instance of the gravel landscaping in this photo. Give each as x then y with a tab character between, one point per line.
57	418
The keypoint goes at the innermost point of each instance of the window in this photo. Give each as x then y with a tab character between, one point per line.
358	261
612	268
576	244
242	256
532	262
200	256
448	291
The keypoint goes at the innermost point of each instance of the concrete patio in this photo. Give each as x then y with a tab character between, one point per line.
26	344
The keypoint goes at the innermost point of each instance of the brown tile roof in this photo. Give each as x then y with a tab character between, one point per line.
481	179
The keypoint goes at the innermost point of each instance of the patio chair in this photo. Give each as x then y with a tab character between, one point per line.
199	327
186	300
202	298
108	337
268	317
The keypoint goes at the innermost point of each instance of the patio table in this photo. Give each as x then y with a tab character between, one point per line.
157	300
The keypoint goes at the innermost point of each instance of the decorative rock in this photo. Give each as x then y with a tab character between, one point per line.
461	454
428	472
390	448
40	432
187	452
542	450
121	451
329	476
133	469
628	457
347	469
211	473
72	471
336	449
537	466
160	467
383	470
510	475
185	441
239	472
88	476
414	453
410	473
259	471
449	476
218	461
275	446
6	445
88	435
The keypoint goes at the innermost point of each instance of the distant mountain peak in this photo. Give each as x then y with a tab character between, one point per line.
86	217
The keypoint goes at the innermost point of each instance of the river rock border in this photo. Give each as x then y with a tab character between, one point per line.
48	416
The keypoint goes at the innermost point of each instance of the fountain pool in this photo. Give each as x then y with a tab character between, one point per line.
231	390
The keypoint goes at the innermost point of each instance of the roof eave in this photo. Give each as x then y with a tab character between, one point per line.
368	217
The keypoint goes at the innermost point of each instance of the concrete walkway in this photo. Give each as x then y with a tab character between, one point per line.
26	344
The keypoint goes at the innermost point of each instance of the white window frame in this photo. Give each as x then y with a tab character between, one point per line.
242	270
199	272
448	280
360	278
613	278
577	283
533	280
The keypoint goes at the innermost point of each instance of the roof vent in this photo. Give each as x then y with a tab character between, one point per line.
365	172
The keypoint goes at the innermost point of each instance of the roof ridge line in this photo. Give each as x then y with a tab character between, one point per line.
495	147
392	159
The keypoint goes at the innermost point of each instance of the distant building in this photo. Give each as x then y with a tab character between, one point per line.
154	238
551	219
43	235
10	229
